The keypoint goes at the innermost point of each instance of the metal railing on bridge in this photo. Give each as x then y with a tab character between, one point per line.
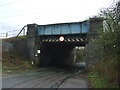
14	33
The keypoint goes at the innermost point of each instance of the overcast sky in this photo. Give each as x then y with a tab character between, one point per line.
14	14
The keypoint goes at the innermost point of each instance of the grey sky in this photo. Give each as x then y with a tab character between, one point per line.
14	14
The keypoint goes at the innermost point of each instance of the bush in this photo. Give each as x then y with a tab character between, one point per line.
99	82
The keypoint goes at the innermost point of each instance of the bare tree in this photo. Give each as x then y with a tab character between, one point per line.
111	33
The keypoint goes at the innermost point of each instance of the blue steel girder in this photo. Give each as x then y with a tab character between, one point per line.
64	28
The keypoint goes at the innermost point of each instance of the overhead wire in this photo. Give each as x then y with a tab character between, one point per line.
6	4
18	13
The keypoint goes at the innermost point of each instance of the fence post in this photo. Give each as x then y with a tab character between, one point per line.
6	34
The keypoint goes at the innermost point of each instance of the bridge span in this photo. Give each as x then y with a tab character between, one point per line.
55	43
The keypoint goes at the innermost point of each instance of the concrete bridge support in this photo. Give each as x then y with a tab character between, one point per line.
93	53
31	40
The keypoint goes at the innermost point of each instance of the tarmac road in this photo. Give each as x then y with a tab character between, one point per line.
49	78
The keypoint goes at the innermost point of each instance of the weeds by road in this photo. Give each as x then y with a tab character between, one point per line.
96	81
12	64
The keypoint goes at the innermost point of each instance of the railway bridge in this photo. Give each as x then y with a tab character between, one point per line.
54	44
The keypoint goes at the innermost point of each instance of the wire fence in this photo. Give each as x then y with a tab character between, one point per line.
12	33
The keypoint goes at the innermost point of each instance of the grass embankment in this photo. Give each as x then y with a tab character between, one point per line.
12	64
